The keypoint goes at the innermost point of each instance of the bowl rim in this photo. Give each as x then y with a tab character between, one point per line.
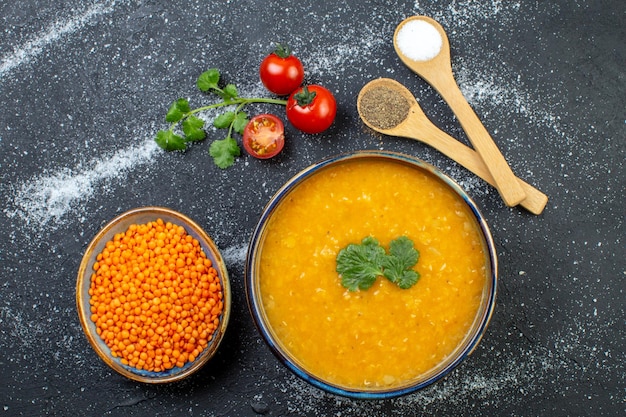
84	279
255	304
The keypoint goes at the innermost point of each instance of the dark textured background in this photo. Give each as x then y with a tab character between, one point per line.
84	87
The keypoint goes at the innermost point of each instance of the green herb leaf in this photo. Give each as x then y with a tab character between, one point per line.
208	80
192	127
230	92
177	110
360	265
408	279
224	120
167	140
396	271
240	122
403	249
179	113
224	152
397	265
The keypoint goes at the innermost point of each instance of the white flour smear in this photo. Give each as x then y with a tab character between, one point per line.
44	200
235	255
24	54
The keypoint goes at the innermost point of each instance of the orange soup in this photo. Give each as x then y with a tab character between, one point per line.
385	336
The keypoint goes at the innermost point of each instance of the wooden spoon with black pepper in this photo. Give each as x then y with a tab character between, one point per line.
388	107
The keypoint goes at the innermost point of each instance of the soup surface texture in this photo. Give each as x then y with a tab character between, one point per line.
384	336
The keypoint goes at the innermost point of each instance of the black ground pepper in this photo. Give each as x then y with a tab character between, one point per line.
383	107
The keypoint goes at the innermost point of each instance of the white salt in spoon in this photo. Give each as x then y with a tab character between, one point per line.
422	44
416	125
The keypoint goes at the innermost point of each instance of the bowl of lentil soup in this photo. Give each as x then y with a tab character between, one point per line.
384	340
153	295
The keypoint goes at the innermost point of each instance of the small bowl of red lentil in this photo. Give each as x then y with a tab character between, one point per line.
153	295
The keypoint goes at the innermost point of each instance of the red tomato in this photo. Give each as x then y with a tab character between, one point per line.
281	72
264	136
311	109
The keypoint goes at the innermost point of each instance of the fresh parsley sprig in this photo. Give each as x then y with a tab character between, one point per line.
360	264
180	114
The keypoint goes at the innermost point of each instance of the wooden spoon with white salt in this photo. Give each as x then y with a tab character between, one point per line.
422	44
388	107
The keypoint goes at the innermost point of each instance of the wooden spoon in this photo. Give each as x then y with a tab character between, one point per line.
437	72
416	125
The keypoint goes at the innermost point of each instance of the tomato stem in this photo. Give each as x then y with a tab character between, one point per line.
305	97
282	50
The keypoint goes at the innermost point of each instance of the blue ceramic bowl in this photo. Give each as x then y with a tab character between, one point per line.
253	291
118	225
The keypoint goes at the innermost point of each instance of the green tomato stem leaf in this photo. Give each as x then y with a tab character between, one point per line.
282	50
304	97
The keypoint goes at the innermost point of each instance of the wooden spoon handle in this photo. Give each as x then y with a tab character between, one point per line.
426	132
504	179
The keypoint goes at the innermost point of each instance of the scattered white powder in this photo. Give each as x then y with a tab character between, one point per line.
31	49
519	372
235	255
509	376
419	40
458	390
484	91
47	198
23	332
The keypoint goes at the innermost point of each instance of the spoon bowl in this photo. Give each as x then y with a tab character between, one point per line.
414	124
429	69
437	71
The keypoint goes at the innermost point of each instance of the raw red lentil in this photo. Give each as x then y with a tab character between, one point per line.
155	297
